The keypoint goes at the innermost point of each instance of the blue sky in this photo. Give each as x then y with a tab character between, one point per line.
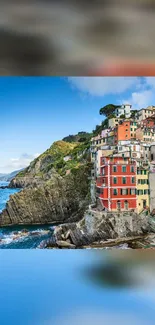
35	111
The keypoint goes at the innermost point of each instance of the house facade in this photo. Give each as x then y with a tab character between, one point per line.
116	185
123	110
144	113
143	192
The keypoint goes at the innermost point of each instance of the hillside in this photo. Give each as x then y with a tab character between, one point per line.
56	187
61	157
80	137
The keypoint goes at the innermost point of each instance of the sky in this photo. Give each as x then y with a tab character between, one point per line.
36	111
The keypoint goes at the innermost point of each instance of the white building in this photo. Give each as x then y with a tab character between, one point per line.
123	110
144	113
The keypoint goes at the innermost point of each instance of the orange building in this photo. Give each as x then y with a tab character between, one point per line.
122	131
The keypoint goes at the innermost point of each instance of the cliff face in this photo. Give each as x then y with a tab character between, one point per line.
57	200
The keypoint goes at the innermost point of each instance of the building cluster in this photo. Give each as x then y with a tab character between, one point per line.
124	158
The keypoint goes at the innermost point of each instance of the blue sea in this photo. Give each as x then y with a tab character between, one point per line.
5	193
13	237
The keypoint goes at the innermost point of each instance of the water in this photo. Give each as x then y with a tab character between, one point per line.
53	287
5	193
14	237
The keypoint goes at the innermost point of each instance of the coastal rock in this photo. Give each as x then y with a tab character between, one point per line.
98	226
65	244
58	200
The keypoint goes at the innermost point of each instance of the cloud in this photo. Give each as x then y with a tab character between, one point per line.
101	86
19	163
142	96
140	99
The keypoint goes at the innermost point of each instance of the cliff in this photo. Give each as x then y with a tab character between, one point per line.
41	168
97	228
56	187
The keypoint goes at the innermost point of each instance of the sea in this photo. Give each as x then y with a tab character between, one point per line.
20	236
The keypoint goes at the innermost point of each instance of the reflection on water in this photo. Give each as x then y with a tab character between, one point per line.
42	287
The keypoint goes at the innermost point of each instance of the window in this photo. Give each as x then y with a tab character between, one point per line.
114	169
124	180
145	192
140	192
132	191
126	136
124	169
139	181
115	180
132	180
132	169
126	130
131	129
115	192
145	172
131	135
124	191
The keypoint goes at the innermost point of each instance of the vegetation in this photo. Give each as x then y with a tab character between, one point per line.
108	110
99	128
80	137
112	116
122	116
133	113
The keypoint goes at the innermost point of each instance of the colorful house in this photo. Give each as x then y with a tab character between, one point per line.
116	185
149	122
122	131
143	191
144	113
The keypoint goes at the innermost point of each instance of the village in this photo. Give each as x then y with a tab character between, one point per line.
123	156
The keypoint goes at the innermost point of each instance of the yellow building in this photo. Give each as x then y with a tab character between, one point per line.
143	196
114	121
133	127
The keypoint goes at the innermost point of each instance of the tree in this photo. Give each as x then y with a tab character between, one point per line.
122	116
133	113
112	116
101	127
108	109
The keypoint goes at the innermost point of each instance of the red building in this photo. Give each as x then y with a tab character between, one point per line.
149	122
116	185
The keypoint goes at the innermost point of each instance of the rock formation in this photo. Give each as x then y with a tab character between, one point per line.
57	200
98	226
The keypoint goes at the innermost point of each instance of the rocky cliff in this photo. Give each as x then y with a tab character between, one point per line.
55	188
97	227
57	200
